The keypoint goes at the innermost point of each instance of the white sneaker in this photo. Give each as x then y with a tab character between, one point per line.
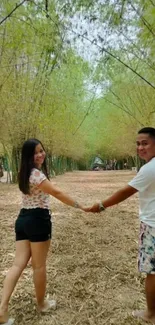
49	304
9	322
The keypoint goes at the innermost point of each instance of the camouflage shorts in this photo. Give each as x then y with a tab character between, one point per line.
146	257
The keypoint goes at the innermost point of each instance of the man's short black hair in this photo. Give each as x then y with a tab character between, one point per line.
148	130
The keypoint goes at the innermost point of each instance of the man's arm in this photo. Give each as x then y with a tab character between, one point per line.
119	196
116	198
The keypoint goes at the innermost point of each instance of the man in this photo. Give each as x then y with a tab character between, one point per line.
144	183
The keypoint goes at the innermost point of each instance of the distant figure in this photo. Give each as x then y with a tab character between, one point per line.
1	171
114	164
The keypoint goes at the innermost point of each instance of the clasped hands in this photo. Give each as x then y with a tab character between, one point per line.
95	208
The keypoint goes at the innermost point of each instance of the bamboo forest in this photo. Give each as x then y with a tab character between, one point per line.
77	74
77	162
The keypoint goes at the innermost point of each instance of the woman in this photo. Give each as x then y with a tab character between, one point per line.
33	226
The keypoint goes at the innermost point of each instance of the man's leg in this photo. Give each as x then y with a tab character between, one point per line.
149	314
150	294
146	264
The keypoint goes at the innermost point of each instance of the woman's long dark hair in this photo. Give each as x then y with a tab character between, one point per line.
27	163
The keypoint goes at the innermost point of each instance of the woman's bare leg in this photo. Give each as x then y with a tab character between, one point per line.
22	256
39	251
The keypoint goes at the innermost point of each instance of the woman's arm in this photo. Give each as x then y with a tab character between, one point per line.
47	187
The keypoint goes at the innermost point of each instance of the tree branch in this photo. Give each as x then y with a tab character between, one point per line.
87	113
13	10
103	49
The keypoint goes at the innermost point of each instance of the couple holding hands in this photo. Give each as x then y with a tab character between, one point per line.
33	227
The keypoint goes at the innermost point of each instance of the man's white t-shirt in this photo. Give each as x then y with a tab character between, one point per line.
144	182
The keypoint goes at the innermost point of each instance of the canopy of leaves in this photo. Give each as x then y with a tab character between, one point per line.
79	75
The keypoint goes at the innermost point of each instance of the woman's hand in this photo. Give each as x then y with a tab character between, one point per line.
95	208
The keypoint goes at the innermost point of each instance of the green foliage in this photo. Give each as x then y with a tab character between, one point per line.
77	108
42	84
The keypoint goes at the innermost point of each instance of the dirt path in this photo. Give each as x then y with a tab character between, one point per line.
92	268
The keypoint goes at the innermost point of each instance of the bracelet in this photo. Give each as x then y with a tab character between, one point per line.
76	205
101	207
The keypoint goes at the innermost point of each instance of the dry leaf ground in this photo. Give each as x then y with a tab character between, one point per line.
92	264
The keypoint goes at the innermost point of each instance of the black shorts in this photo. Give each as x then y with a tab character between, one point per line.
33	225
